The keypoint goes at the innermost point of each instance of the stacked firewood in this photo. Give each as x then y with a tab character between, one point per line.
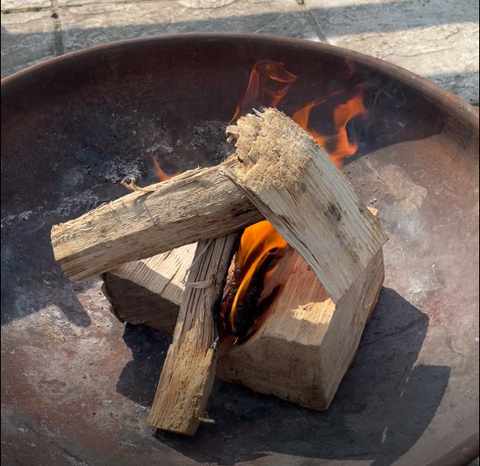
265	268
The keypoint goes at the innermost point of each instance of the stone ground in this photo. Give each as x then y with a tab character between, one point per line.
438	39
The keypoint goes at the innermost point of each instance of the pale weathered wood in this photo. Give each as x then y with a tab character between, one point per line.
164	274
135	304
198	204
309	342
305	344
150	291
189	370
296	186
295	355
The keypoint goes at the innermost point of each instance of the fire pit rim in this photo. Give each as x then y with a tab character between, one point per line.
423	86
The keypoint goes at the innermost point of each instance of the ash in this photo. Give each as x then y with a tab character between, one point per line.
118	168
210	139
200	145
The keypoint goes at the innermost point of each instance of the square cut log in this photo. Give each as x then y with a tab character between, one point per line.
150	291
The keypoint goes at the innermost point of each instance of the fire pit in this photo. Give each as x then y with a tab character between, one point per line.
75	126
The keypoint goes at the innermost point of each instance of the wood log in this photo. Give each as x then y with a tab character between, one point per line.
296	186
189	370
135	304
306	345
150	291
198	204
309	342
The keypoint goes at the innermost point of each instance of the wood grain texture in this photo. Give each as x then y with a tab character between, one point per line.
296	186
309	342
306	345
198	204
189	370
164	274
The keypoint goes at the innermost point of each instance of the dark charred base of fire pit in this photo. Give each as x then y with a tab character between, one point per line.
77	384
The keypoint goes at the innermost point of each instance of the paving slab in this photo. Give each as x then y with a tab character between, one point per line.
97	23
437	39
27	37
29	5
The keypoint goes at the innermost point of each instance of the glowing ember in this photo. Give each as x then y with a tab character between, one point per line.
260	249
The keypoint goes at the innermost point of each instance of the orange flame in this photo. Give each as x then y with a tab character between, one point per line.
342	115
258	240
161	175
268	84
261	246
260	249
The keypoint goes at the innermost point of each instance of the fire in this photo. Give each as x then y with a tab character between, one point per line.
261	245
161	175
269	82
260	249
342	115
252	289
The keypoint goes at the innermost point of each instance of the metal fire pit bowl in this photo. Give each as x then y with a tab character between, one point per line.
77	384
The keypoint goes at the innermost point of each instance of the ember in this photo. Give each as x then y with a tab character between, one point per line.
261	247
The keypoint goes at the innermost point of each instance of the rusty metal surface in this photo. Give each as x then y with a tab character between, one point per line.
463	454
77	385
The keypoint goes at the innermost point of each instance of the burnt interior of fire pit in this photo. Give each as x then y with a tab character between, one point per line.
74	127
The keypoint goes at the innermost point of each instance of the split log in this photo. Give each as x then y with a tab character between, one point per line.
198	204
135	304
189	370
296	186
150	291
164	274
305	347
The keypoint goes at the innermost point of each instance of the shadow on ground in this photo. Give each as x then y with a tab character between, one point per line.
382	408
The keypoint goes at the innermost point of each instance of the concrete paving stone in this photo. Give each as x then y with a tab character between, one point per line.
465	85
87	25
447	54
437	39
10	5
27	38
